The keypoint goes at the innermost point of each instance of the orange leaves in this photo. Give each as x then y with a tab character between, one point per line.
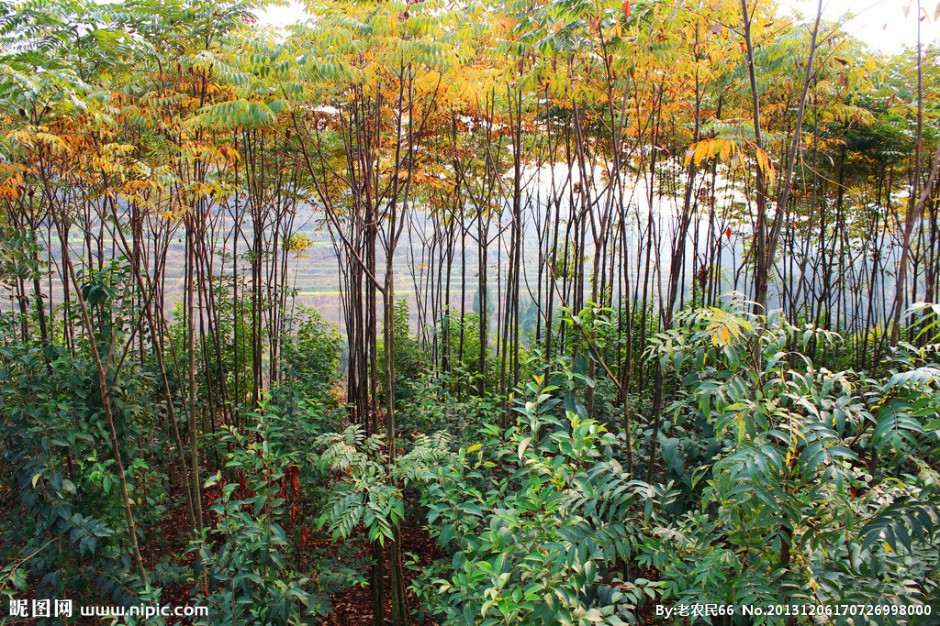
229	153
38	137
428	83
713	148
728	151
13	184
765	165
138	189
210	154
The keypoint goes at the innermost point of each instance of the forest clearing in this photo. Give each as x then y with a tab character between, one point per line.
549	312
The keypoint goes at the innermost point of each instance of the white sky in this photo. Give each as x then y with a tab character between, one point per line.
882	24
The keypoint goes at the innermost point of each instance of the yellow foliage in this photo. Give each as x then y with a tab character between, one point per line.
725	327
765	165
37	137
716	147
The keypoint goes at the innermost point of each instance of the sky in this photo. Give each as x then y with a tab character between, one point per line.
882	24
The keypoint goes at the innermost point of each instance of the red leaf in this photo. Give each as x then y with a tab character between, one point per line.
626	9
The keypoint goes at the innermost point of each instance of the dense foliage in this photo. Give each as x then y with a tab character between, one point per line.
547	312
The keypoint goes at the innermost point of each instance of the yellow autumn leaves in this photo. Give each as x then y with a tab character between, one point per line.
724	327
728	151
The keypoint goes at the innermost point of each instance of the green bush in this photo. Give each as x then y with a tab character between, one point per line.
409	358
539	519
824	490
247	574
65	513
310	358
